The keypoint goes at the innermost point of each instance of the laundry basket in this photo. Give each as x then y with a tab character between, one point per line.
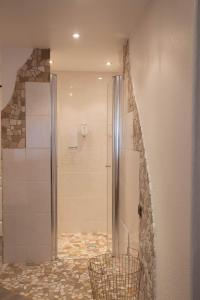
115	277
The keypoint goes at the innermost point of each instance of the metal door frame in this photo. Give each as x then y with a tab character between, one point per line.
117	96
54	165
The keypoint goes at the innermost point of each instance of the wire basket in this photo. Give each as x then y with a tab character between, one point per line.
115	277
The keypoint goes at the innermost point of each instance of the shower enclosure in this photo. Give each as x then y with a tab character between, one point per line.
85	163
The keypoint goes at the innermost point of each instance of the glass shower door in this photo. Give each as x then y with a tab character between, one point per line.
116	140
113	153
109	164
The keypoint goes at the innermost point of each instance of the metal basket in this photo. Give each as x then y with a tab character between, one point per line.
115	278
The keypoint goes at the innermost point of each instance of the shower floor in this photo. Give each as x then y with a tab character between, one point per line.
66	278
83	245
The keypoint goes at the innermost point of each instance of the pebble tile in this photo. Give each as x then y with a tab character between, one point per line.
65	278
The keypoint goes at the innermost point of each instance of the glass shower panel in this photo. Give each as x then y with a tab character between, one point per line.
128	180
84	181
109	162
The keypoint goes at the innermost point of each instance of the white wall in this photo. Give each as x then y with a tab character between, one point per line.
82	175
27	184
162	70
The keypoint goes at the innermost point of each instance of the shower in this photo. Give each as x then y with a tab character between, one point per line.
84	206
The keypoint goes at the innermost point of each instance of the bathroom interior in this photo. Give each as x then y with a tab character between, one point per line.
59	163
59	131
58	191
96	101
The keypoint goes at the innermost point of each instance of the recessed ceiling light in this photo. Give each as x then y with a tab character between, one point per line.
70	94
100	78
108	63
76	35
51	61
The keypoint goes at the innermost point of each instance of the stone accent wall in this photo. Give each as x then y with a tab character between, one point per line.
146	234
13	116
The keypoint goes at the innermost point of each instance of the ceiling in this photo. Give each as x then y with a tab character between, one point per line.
103	26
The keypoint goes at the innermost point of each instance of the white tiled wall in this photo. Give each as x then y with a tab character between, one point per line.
82	175
27	184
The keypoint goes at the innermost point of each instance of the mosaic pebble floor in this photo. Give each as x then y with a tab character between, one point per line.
7	295
64	278
82	245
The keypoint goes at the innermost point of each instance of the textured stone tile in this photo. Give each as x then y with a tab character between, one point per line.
64	278
36	69
7	295
81	245
146	233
